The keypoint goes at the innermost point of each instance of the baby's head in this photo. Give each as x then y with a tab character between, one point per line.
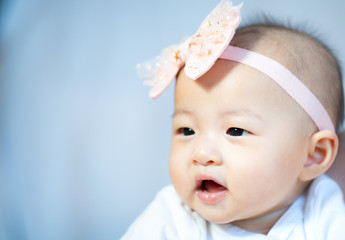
248	137
242	149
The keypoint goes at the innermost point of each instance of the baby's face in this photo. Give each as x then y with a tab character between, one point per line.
238	145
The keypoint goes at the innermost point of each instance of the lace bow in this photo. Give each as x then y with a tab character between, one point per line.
197	53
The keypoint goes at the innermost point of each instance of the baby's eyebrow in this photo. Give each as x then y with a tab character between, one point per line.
181	112
243	112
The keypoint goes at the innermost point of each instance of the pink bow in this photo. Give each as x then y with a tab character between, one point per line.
198	53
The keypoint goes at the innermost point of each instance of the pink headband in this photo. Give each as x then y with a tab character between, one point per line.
198	54
287	80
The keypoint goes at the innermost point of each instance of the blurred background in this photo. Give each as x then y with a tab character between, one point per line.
83	149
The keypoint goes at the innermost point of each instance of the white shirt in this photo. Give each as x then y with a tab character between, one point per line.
318	214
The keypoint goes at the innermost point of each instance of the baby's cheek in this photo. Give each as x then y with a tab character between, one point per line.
263	187
248	181
179	178
175	172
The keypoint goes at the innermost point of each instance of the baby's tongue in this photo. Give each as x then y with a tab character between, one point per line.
212	187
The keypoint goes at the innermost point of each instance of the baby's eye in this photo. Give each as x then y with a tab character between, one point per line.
236	132
185	131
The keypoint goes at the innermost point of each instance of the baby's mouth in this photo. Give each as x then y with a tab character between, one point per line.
210	190
210	186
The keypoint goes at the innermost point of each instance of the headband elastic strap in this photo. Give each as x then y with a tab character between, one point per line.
287	80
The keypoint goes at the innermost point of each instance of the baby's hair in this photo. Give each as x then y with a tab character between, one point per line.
304	55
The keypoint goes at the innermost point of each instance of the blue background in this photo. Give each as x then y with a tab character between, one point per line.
83	150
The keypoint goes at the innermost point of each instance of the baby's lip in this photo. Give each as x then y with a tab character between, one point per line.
210	190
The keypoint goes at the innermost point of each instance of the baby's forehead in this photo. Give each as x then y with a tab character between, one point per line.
234	82
231	89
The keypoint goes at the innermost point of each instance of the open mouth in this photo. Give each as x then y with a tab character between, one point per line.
210	186
210	191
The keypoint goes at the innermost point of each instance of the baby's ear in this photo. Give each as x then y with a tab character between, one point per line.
323	147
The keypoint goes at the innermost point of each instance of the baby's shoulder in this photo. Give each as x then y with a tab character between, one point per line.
166	216
324	212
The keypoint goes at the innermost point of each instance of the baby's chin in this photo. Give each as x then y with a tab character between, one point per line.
211	215
217	219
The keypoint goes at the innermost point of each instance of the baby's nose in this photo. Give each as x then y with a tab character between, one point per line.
206	154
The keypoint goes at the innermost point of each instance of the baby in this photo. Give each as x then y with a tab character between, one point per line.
253	134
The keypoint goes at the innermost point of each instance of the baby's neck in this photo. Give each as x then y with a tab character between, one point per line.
262	224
